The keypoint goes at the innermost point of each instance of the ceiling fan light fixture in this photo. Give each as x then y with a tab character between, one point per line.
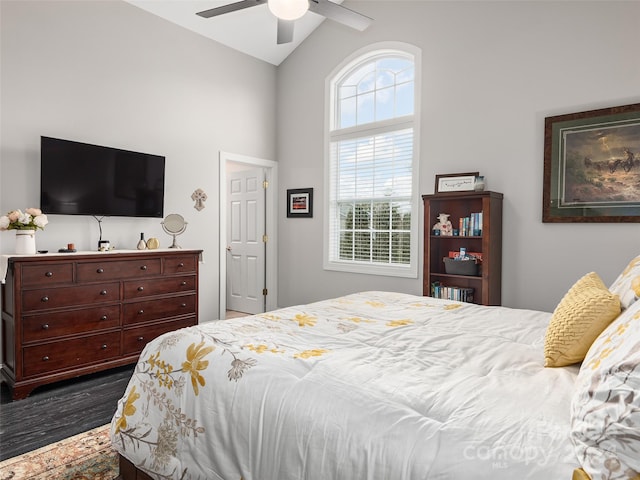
288	9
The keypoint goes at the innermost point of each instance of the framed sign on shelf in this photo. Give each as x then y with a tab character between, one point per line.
455	182
592	166
300	202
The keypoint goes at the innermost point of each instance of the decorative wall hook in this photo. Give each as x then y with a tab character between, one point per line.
199	197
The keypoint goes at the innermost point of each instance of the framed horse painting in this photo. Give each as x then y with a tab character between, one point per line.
592	166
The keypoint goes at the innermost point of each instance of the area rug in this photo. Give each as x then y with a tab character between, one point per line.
86	456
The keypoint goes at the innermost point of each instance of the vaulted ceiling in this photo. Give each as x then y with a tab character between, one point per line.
251	30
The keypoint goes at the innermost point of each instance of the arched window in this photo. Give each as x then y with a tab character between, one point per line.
372	164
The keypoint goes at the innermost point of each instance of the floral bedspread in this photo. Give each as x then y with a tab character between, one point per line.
373	385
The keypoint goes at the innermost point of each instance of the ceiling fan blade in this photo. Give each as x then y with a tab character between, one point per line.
340	14
285	31
232	7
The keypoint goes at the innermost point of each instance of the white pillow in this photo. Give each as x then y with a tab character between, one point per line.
627	285
605	410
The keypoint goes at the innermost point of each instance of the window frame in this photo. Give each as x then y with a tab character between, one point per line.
350	64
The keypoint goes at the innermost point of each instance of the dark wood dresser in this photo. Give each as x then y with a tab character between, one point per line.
79	313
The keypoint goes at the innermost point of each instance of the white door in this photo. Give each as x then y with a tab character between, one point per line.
245	241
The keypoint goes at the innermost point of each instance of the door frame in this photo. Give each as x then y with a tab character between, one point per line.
271	222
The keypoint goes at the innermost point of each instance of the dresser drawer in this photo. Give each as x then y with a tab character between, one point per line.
136	338
158	286
45	298
51	325
47	274
117	269
180	264
139	312
71	353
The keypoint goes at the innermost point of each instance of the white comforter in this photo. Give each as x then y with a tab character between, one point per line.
367	386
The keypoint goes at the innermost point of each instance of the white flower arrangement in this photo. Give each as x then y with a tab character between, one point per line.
30	219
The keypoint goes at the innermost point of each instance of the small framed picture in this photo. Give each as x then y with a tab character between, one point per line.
456	182
300	202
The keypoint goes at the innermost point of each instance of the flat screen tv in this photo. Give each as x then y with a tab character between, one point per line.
83	179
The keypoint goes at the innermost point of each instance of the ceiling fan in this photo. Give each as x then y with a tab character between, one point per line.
287	11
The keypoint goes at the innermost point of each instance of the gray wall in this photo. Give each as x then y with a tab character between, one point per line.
109	73
492	71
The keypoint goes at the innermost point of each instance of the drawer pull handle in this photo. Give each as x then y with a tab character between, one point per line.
103	292
103	318
45	299
104	346
48	274
140	312
100	270
180	265
140	289
143	267
45	326
183	305
183	284
140	339
45	358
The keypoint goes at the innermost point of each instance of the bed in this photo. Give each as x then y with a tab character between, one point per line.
381	385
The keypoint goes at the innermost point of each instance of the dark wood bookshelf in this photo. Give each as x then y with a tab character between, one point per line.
487	285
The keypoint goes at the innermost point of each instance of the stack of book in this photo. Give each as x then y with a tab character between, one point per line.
461	294
471	226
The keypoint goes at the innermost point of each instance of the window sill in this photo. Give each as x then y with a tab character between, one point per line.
410	271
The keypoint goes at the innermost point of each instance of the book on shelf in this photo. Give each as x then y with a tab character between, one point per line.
470	226
460	294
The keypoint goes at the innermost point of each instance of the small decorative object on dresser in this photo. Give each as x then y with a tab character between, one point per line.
65	316
25	224
153	243
142	245
174	224
25	242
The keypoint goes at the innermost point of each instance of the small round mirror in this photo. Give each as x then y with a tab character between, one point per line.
174	224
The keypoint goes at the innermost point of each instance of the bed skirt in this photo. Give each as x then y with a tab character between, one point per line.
128	471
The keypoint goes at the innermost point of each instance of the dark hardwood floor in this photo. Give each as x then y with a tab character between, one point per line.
60	410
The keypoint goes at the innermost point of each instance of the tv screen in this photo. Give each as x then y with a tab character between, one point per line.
82	179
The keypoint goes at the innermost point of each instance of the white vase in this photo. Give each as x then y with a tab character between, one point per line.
25	242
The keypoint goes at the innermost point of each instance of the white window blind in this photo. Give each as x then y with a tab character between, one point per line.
371	198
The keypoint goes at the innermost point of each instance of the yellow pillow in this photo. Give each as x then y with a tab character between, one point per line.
582	314
580	474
